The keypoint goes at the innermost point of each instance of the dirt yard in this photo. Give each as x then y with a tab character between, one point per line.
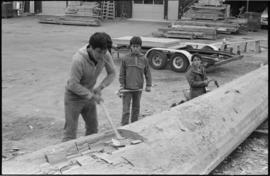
36	61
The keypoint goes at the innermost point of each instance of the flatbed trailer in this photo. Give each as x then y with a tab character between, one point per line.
177	53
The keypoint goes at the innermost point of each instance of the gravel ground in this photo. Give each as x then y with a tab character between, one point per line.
35	64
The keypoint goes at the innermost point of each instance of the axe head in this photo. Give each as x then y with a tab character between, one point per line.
119	94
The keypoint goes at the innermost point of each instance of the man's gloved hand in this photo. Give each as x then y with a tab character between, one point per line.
148	88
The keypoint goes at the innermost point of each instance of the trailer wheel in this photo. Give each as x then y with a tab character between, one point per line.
179	62
157	59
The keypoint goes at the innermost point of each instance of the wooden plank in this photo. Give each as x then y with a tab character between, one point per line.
197	6
188	35
148	41
67	20
207	23
265	131
204	29
210	2
180	36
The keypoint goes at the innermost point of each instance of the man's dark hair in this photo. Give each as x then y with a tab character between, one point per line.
98	40
109	41
136	41
196	55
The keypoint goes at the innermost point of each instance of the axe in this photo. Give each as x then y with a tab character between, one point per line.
120	92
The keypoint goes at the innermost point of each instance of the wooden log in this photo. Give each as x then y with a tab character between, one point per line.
194	137
191	138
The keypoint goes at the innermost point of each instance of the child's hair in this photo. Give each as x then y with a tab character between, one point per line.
135	41
196	55
98	40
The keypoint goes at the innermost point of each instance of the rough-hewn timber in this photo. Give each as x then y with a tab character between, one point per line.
192	138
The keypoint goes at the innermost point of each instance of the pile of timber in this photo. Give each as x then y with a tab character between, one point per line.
207	12
89	9
77	13
222	27
211	2
70	20
187	32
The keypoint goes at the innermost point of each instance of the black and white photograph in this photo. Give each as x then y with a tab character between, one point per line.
135	87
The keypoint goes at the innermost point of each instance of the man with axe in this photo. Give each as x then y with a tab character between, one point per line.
134	68
81	92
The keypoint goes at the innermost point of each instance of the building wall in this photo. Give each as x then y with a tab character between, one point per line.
148	9
53	7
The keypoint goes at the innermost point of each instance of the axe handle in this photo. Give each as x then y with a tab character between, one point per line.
126	90
118	136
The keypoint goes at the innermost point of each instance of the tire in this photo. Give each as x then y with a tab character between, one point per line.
157	59
179	62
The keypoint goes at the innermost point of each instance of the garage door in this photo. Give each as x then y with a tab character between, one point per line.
148	9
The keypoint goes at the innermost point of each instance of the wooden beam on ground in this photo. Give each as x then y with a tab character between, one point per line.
196	136
191	138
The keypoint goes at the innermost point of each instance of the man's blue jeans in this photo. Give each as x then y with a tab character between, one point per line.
73	108
128	98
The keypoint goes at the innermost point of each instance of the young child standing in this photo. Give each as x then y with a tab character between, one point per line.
133	69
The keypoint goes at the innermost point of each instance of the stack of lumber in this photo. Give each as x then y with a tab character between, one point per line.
77	13
210	2
70	20
188	32
206	12
89	9
200	22
222	27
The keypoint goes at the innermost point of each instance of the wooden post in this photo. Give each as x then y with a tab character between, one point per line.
245	47
257	46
